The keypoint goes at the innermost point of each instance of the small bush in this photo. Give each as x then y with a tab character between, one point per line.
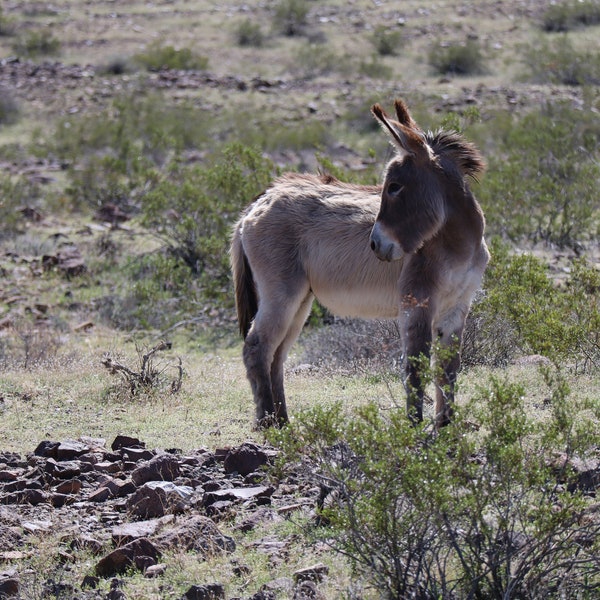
249	33
7	25
482	510
118	65
15	194
457	59
9	109
387	41
565	16
314	60
558	61
36	43
375	69
158	56
290	17
524	310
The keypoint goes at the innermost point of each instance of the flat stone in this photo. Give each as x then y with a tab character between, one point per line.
127	532
70	449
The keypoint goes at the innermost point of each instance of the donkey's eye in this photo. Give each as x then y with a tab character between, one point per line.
393	189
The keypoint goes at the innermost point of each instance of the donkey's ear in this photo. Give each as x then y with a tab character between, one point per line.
405	133
403	115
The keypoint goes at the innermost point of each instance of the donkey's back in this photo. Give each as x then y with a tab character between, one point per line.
310	234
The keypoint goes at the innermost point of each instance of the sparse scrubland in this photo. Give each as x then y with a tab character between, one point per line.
132	134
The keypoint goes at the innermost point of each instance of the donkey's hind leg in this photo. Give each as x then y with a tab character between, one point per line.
276	316
281	355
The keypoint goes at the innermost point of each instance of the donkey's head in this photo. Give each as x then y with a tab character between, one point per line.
427	173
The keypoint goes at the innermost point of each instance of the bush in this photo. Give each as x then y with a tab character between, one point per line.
524	310
36	43
117	155
249	34
15	194
557	61
387	41
158	56
474	512
541	180
193	210
290	17
457	59
314	60
7	25
565	16
9	109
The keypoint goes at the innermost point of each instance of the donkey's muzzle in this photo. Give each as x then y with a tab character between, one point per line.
384	248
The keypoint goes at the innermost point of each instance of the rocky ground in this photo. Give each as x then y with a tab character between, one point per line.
131	508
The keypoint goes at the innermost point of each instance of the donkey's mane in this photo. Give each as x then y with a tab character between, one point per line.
453	146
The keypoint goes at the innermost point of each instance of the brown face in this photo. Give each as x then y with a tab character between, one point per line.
411	210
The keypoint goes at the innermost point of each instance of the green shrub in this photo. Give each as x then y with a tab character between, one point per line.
36	43
457	59
9	109
375	69
482	510
314	60
387	41
158	56
542	174
249	33
192	211
7	25
14	195
290	17
524	310
557	61
568	15
117	155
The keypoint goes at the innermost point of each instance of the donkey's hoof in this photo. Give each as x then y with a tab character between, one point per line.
270	420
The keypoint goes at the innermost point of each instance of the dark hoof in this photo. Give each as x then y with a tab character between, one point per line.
270	420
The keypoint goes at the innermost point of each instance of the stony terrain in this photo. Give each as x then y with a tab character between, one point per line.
127	507
115	509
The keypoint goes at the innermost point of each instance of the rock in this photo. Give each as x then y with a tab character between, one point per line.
313	573
9	587
69	450
47	449
155	570
198	533
10	537
123	558
245	459
164	467
307	590
210	591
124	441
73	486
157	498
86	542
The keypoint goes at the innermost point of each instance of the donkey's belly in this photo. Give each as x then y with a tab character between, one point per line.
367	303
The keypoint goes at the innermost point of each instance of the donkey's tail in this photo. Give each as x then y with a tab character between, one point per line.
246	300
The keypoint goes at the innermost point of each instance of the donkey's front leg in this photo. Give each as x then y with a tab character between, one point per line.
448	364
417	345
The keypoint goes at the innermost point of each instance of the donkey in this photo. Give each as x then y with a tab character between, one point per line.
411	249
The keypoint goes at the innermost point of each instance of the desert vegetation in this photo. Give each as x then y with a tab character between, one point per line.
132	134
